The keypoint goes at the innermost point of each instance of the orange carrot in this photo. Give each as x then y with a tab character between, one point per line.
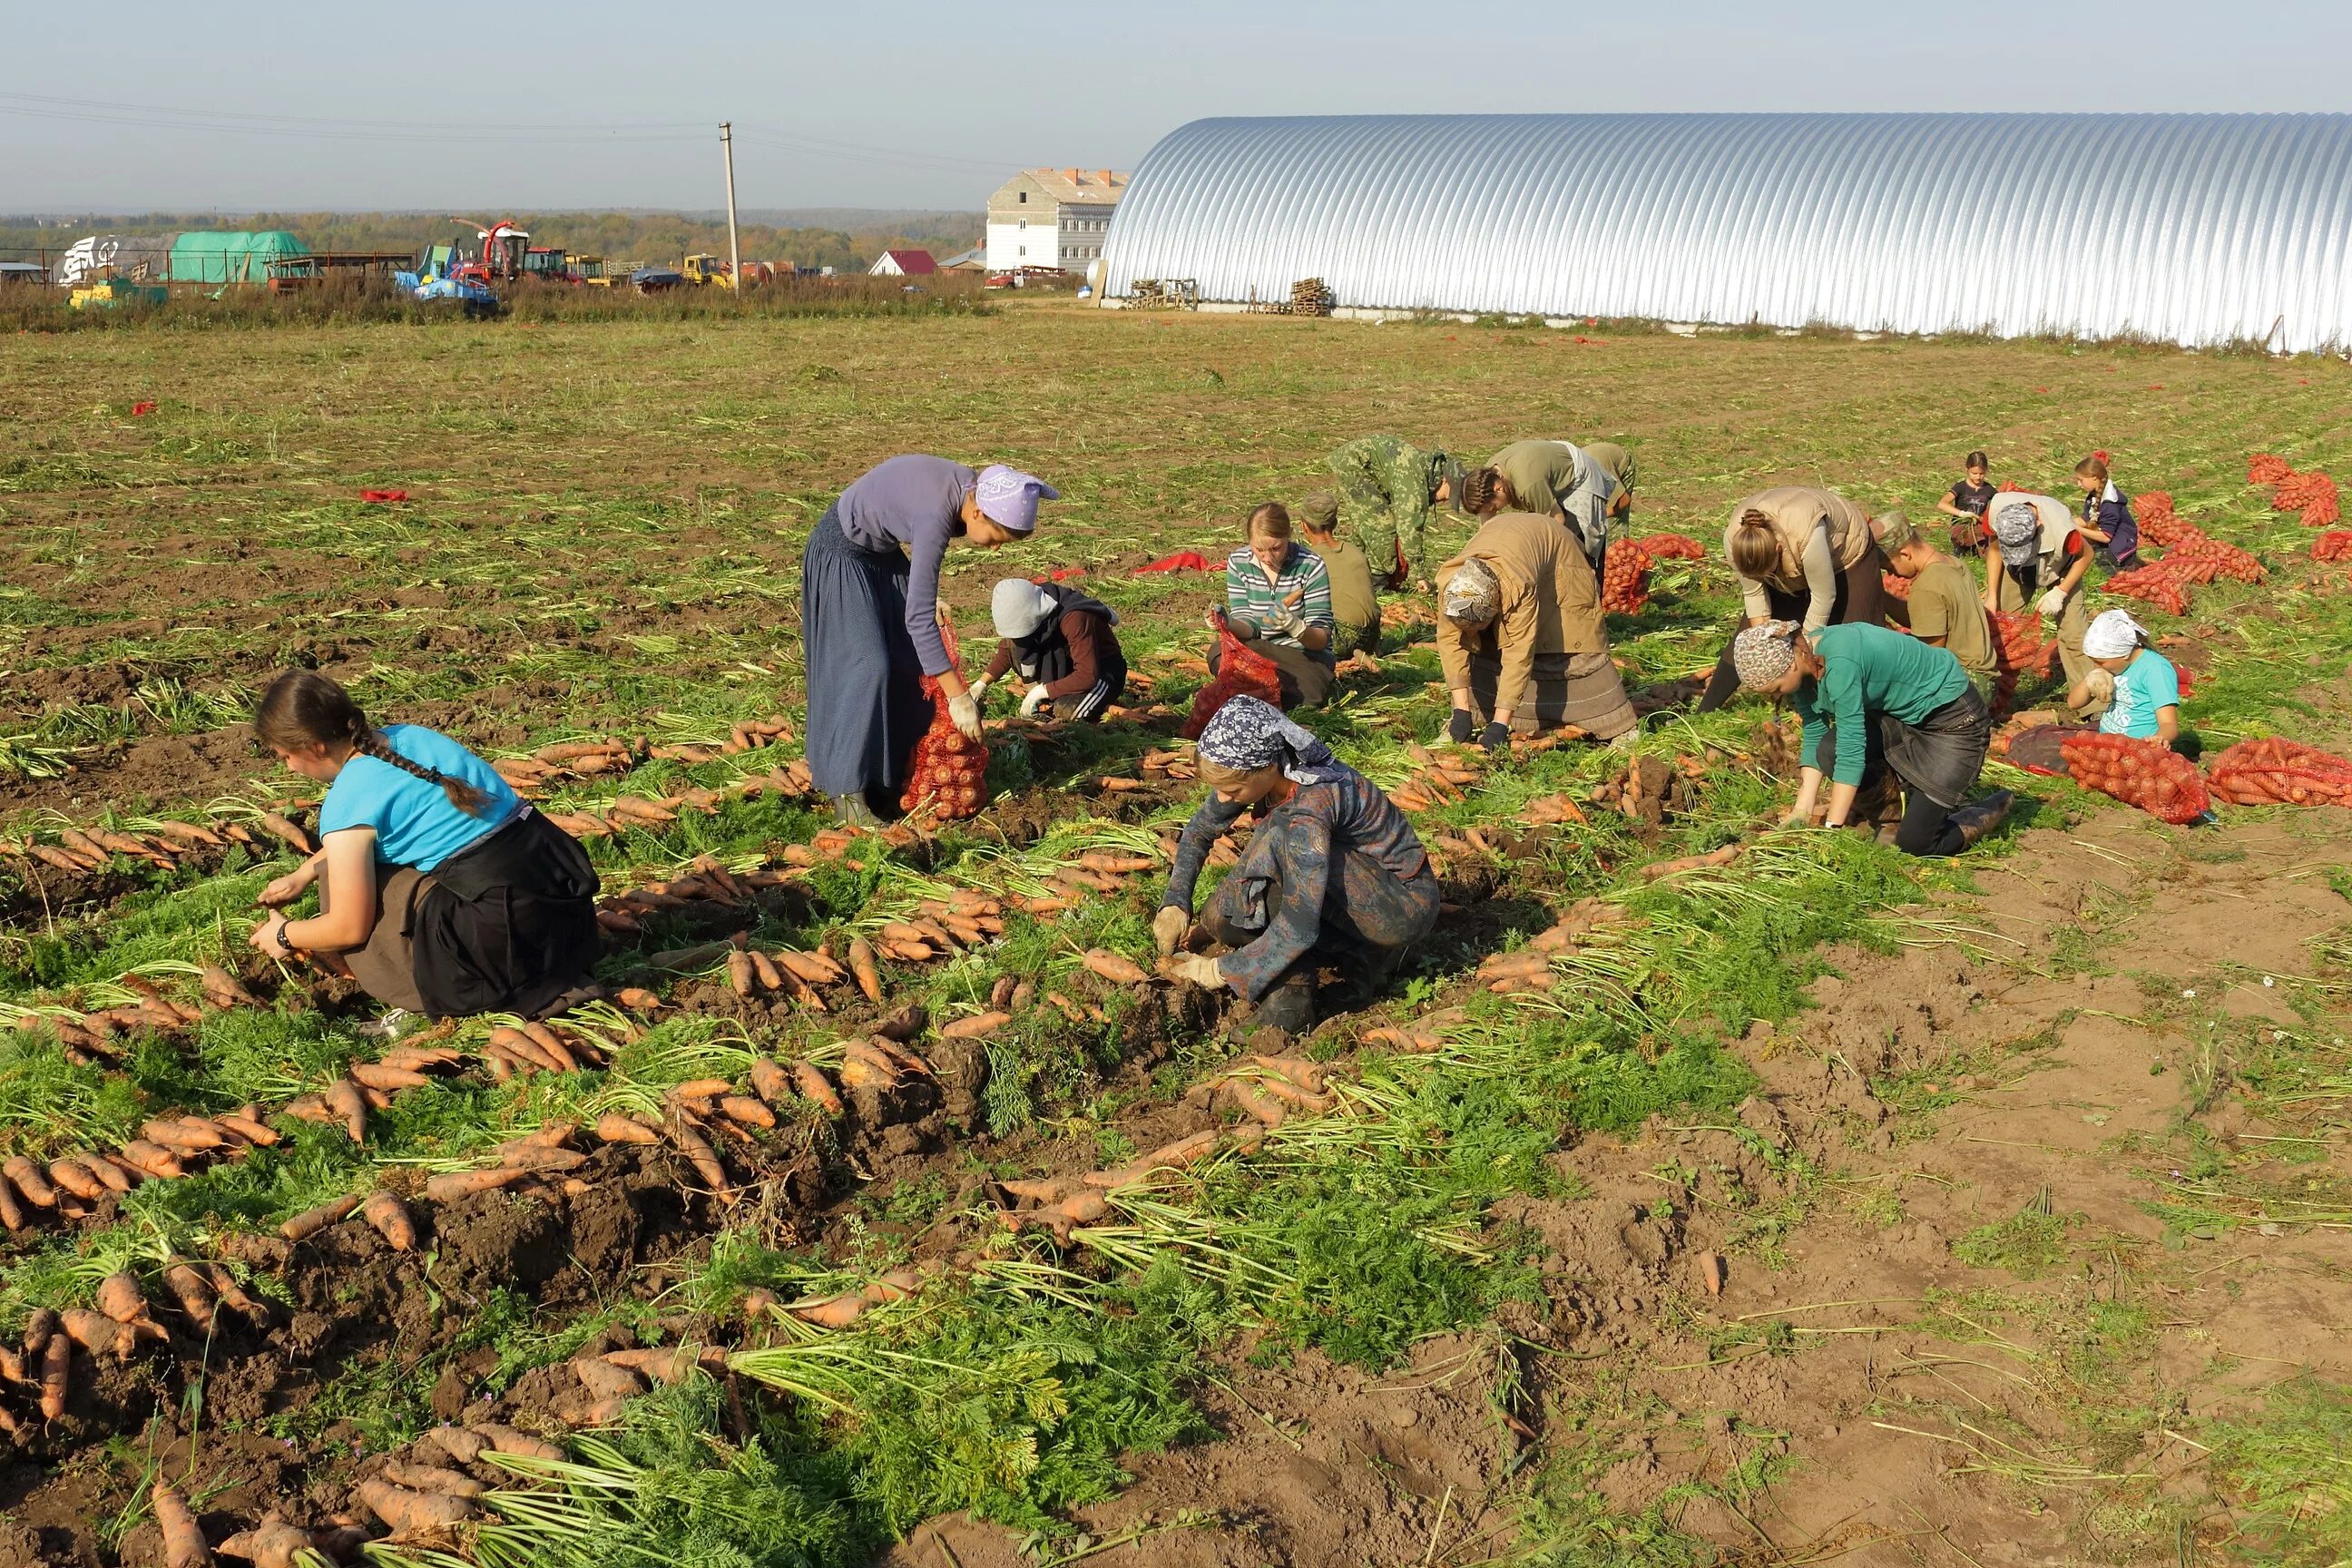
95	1333
194	1296
29	1181
832	1312
120	1298
77	1178
315	1220
763	971
903	1025
183	1538
614	1128
390	1220
1113	968
272	1543
344	1097
867	972
452	1185
810	1079
770	1081
147	1159
549	1041
704	1159
741	975
414	1514
975	1028
291	831
749	1112
433	1479
375	1075
636	998
507	1440
702	1088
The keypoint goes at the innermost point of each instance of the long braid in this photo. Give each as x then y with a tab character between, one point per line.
370	741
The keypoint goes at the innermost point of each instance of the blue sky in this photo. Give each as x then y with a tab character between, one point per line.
524	104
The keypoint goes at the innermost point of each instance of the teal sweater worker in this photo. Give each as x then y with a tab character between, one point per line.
1868	670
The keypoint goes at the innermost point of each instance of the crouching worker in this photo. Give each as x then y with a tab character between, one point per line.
440	891
1278	599
1333	873
2130	688
1879	708
1061	644
1519	628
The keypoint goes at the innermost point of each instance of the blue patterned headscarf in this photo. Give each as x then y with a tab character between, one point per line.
1249	732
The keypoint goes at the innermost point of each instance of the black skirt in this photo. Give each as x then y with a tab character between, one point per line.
508	924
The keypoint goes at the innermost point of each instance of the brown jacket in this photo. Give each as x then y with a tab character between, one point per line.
1795	511
1550	602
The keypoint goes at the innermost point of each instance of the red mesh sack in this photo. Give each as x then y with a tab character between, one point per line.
2263	468
1898	585
2155	584
2017	638
948	771
2335	544
2153	778
1625	579
2272	771
2312	494
1242	671
1672	547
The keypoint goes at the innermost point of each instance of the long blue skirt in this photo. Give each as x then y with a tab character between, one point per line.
865	703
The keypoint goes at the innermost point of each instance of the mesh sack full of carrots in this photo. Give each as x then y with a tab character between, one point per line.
1625	578
1242	671
2276	771
2313	495
1672	547
2158	524
947	768
2335	544
2153	778
2017	639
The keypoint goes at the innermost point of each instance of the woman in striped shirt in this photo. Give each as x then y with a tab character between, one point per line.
1278	598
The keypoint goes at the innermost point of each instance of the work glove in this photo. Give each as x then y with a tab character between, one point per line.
1243	627
1038	697
1460	727
1285	624
963	711
980	692
1168	929
2052	603
1497	737
1198	970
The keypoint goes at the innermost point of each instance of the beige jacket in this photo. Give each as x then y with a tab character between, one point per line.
1821	534
1551	603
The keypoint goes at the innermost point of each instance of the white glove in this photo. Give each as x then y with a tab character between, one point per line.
1284	623
979	690
1202	971
1037	698
1168	929
2052	603
963	711
2101	685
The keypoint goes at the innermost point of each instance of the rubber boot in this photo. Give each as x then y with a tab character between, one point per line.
1974	821
1289	1007
851	811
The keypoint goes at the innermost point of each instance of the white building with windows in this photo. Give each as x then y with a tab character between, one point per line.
1052	217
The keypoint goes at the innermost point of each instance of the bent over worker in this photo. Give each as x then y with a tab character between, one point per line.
1333	873
1879	707
1802	554
1571	483
869	617
1061	643
440	891
1519	629
2040	563
1942	610
1386	488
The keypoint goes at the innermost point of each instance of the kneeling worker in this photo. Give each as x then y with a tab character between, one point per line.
1334	873
1060	642
1355	600
1519	628
1876	703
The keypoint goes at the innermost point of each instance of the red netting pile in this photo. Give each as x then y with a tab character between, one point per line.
2153	778
2017	638
2265	469
2192	558
1898	585
2158	524
2279	771
2335	544
947	771
1625	579
1672	547
1242	671
2312	494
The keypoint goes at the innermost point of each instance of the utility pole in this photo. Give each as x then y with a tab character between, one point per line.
734	253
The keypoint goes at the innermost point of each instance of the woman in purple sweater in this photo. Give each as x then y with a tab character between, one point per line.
870	626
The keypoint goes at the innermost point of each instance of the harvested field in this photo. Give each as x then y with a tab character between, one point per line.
1804	1204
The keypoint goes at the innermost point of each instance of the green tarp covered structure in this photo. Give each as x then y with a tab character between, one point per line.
230	257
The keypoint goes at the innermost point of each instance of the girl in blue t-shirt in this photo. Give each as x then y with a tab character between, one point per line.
440	891
2139	688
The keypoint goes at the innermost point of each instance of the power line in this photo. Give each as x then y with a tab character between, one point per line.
48	107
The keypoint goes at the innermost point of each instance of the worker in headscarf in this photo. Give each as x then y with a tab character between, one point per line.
1879	708
1519	628
1061	644
2131	688
1333	873
869	615
1944	610
2040	565
1571	483
1802	554
1386	488
1355	600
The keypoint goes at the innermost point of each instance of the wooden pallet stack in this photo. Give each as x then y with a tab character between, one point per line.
1308	297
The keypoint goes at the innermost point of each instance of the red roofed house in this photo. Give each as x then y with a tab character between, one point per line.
904	264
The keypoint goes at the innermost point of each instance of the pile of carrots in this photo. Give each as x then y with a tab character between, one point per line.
1670	547
1586	923
2017	638
2192	558
1439	781
2335	544
2267	468
2270	771
1897	586
87	1037
2143	773
2313	495
1095	871
80	850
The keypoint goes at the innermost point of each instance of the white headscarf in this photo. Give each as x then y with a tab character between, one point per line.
2112	635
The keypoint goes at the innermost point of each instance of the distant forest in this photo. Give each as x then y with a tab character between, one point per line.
642	237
